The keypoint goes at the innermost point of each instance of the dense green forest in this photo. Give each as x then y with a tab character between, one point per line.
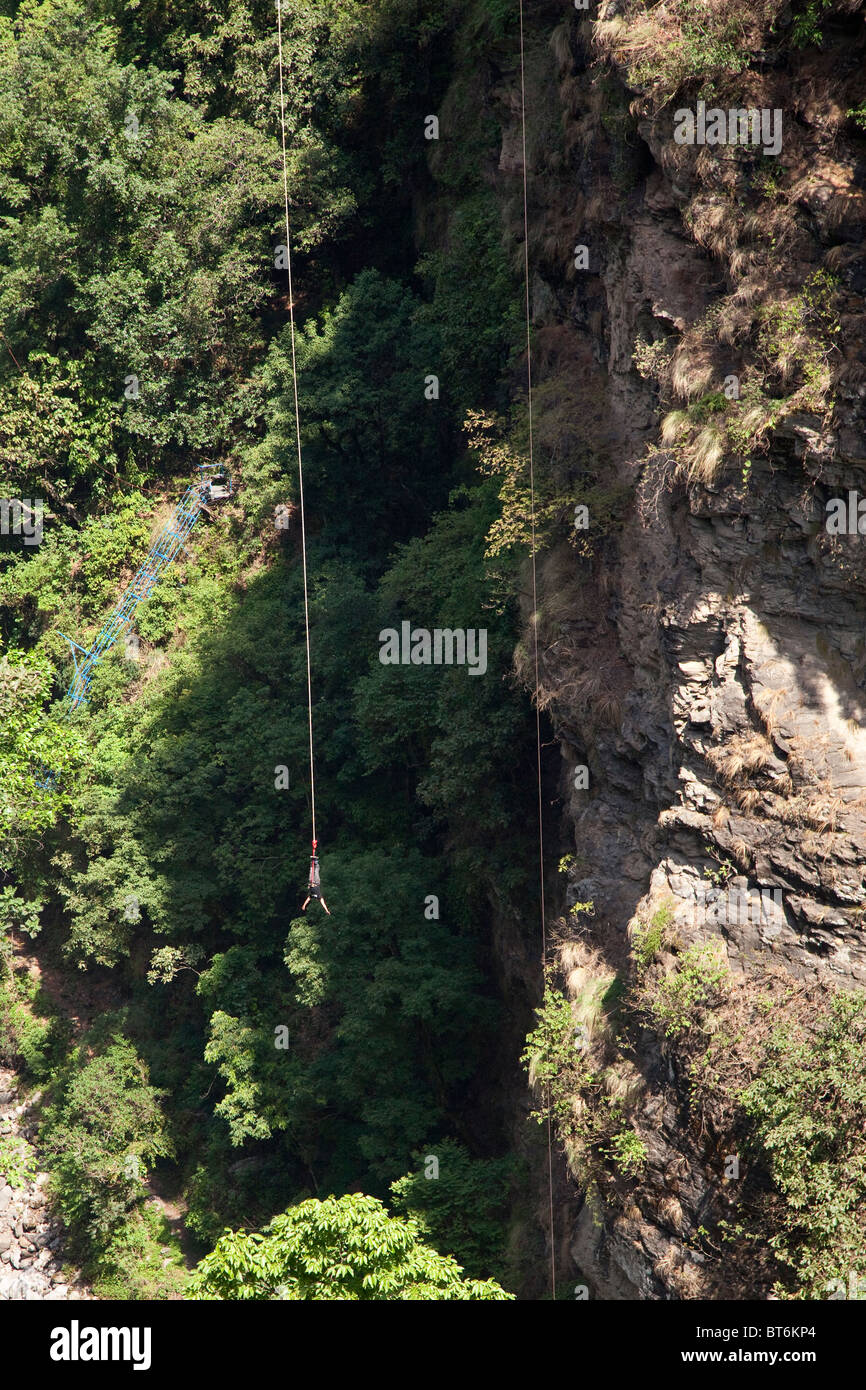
154	846
585	1014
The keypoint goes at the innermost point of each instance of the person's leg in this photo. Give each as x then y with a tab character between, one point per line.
304	908
325	906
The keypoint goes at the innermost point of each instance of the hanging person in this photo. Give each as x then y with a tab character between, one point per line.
314	889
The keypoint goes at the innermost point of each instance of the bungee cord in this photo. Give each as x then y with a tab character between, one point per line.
535	625
314	864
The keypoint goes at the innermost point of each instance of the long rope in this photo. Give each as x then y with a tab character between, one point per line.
297	422
535	628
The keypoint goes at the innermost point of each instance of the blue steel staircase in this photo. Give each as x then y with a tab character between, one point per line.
164	551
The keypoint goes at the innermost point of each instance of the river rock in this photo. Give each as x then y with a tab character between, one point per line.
26	1285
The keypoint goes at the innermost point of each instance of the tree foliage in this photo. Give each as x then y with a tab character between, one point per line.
462	1206
144	316
345	1248
104	1128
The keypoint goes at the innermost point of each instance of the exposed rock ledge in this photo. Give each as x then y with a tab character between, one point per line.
31	1239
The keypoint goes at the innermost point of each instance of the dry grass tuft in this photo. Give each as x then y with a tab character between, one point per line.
816	812
687	1281
666	1264
707	453
623	1083
747	799
741	756
572	956
767	703
692	370
716	224
675	425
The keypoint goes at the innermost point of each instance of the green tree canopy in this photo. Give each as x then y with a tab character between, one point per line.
463	1207
343	1248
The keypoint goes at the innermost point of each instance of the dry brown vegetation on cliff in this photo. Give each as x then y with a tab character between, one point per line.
773	1070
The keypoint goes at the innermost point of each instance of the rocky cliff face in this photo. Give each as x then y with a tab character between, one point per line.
31	1240
702	652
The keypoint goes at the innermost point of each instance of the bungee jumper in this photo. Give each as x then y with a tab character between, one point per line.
314	889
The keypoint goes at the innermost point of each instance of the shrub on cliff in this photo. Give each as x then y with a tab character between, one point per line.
808	1106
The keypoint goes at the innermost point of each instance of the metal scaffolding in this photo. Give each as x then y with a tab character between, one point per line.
162	553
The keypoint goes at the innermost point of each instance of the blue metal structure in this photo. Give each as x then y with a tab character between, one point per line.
162	553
